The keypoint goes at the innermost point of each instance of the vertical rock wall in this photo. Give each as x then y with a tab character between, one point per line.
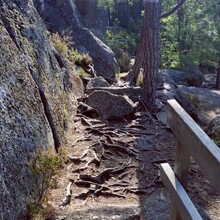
37	94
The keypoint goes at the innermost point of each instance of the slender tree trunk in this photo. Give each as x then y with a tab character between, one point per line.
138	60
151	43
181	31
218	77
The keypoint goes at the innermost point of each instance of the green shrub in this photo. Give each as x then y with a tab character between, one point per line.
123	40
61	44
44	165
81	72
83	60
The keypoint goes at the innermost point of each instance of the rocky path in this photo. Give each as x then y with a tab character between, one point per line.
112	169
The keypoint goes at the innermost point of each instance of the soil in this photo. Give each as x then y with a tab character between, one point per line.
130	152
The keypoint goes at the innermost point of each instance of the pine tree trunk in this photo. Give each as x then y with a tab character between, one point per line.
150	51
137	64
218	77
181	30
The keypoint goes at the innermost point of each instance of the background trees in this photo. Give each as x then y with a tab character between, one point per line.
188	38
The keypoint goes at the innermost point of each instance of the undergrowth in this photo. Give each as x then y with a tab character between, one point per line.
45	164
64	46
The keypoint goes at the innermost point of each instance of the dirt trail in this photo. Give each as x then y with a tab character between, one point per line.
114	167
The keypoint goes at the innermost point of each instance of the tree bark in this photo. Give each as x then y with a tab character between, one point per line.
218	77
150	51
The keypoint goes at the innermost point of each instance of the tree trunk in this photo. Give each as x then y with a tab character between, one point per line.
218	77
150	50
138	60
181	30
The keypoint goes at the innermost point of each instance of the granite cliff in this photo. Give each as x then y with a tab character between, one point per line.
37	89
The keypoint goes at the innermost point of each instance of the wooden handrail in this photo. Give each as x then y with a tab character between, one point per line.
195	142
191	141
182	201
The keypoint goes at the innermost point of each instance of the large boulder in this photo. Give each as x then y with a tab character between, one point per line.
133	93
64	18
110	106
203	104
188	78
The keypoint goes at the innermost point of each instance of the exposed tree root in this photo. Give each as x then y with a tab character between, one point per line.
94	160
83	138
100	178
119	148
66	200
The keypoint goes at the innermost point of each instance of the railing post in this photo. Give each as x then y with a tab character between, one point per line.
181	169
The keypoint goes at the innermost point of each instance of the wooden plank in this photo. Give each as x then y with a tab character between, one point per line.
174	214
181	168
178	195
196	142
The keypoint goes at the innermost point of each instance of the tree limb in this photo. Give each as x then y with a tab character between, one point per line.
174	9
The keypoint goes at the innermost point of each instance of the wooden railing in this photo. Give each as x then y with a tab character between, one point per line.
191	141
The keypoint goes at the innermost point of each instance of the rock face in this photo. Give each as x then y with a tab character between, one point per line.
89	10
37	93
195	78
63	17
110	106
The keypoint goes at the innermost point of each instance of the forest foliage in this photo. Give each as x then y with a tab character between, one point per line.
189	37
